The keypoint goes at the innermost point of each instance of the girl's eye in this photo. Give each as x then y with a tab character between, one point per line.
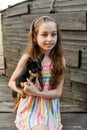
54	34
44	35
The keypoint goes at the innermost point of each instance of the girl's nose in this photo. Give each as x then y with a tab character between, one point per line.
49	38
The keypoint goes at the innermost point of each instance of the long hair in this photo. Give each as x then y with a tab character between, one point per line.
55	55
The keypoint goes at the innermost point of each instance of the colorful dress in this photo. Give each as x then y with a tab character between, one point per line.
35	110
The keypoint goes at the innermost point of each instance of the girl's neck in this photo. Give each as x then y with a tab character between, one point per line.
45	52
46	59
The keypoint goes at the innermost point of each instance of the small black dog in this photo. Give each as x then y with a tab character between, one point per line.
32	70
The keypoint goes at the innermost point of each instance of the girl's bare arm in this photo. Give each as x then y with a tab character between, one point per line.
16	73
31	89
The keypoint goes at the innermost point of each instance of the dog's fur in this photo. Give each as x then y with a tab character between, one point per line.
32	70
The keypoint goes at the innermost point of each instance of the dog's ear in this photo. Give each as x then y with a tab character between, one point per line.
40	58
30	60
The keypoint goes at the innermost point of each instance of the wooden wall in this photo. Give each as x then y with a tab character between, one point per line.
72	18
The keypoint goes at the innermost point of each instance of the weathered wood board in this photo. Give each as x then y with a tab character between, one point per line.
74	121
79	75
1	58
73	116
18	9
7	121
67	21
71	16
73	57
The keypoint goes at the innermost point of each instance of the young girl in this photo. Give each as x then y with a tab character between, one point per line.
40	110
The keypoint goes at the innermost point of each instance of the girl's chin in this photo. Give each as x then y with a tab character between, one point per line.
46	50
46	53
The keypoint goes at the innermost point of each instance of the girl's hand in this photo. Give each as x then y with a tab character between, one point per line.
30	88
37	84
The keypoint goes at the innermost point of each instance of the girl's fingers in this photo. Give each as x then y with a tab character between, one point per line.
28	82
37	84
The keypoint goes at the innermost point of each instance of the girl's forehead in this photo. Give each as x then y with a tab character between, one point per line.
48	26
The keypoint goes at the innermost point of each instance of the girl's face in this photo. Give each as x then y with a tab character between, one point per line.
47	36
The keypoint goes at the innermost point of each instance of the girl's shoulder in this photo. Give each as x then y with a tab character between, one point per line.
25	56
23	59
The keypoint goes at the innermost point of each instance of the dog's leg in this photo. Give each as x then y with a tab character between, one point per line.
17	101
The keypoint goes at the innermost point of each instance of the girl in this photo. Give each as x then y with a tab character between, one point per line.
40	110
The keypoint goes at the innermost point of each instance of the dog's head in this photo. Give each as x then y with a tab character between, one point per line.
35	65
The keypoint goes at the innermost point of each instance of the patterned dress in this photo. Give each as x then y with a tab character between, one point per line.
35	110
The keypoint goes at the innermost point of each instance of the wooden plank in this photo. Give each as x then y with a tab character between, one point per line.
73	20
6	101
70	3
74	44
69	106
76	98
16	33
7	96
1	62
67	82
73	5
14	26
1	58
18	9
6	106
73	121
40	3
82	7
70	121
74	36
79	75
9	72
2	72
40	6
4	79
71	109
84	59
79	88
58	6
13	20
7	121
11	68
72	57
67	85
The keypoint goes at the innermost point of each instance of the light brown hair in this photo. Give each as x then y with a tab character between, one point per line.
55	55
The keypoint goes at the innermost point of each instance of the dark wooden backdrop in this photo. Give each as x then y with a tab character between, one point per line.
72	18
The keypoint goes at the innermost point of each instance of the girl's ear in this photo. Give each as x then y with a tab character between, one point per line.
35	39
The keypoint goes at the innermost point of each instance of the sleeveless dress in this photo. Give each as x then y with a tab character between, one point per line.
35	110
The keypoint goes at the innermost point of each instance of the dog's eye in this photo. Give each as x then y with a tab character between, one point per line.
36	69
